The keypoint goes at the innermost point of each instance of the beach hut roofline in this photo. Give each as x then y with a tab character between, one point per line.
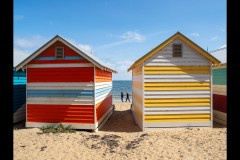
214	60
90	58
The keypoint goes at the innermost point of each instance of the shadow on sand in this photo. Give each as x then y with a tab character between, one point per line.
121	121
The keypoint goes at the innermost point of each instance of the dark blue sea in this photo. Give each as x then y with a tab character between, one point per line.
121	86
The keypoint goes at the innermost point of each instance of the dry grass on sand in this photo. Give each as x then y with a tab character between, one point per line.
121	139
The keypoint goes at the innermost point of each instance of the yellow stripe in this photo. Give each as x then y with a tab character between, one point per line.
176	104
138	98
185	84
179	72
174	88
176	100
177	116
175	68
139	113
137	84
180	120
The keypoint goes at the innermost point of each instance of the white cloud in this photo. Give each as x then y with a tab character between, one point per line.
223	46
30	43
214	38
132	36
83	47
195	34
18	17
126	37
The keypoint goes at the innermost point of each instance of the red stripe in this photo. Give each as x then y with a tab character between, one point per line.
220	103
60	113
103	106
103	76
73	74
58	61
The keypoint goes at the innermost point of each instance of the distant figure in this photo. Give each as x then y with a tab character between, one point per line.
127	97
122	96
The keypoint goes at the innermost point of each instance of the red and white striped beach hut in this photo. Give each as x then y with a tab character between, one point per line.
66	85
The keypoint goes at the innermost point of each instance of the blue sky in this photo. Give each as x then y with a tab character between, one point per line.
117	31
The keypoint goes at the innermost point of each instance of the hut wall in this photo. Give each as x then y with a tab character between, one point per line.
220	95
137	95
177	90
103	94
60	91
19	96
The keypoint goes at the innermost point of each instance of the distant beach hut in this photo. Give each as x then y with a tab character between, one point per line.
66	85
172	85
220	87
19	96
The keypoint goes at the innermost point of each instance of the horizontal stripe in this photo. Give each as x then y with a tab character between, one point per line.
103	107
139	112
177	109
174	88
52	84
177	117
60	65
176	104
176	100
220	89
185	84
157	125
174	92
54	58
220	115
58	61
178	68
177	78
178	96
175	64
137	91
179	72
103	85
62	100
59	88
219	102
102	97
177	112
60	113
137	97
137	104
74	125
60	93
71	74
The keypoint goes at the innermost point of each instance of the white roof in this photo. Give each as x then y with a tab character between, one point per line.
220	54
89	57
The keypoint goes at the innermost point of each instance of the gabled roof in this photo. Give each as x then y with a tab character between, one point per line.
169	40
90	58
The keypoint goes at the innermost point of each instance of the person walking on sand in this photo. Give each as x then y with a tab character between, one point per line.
122	96
127	97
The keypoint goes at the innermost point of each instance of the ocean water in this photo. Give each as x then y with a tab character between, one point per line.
121	86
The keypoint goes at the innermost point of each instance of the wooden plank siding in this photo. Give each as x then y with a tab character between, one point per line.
137	92
177	90
103	94
220	94
19	96
60	91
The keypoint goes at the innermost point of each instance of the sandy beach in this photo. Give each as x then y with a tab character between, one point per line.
119	139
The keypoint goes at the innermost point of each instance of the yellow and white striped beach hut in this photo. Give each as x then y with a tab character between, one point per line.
172	85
